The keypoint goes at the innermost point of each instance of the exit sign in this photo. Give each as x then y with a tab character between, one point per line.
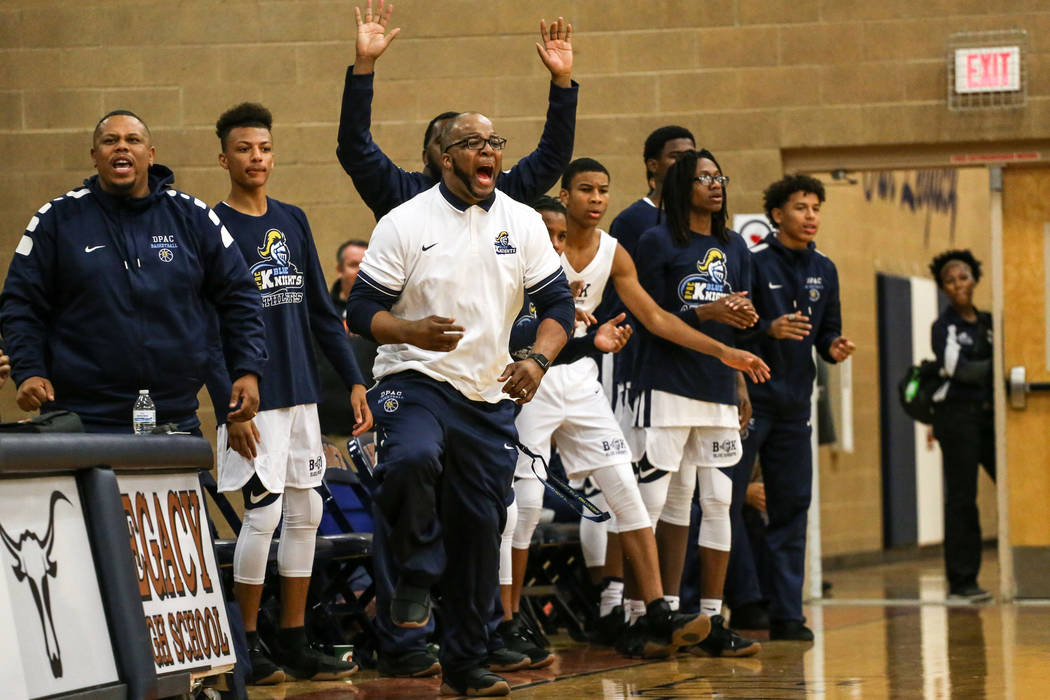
988	69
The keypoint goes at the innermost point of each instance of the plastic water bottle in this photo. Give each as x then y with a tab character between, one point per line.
144	415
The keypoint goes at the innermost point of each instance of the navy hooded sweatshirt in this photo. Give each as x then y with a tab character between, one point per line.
107	295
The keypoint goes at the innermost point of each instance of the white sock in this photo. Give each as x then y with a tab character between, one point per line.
635	609
711	606
612	595
672	602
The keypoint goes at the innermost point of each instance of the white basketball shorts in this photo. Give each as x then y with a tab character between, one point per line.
289	452
571	408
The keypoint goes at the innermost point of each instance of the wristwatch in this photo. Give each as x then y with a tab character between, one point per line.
541	360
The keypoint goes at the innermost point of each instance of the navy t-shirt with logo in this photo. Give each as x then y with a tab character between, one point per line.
680	278
282	259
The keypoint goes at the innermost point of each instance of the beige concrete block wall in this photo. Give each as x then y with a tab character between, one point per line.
749	77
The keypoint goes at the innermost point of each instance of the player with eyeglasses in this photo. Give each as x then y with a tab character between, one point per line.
691	406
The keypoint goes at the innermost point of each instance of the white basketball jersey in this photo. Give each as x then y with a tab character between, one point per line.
594	276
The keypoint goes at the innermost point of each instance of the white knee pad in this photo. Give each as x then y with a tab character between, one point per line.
506	573
528	495
622	493
653	487
253	542
594	536
680	496
302	515
716	493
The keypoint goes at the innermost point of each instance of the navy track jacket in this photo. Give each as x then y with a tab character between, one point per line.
106	296
783	281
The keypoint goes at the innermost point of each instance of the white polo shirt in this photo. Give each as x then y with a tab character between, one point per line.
439	258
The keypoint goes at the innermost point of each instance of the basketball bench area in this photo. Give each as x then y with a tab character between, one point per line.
340	605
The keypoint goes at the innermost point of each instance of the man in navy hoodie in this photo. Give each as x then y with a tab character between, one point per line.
795	289
110	291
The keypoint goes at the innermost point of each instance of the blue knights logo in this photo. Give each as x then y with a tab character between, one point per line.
503	246
710	281
278	279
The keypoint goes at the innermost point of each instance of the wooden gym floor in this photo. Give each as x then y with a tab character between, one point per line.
886	632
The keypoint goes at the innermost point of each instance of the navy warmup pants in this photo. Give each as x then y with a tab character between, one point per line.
783	447
445	465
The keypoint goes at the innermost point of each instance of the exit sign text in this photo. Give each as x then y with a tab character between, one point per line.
996	69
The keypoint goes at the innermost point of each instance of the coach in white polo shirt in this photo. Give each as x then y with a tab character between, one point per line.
440	286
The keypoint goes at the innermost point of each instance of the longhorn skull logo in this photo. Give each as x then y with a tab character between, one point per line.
33	564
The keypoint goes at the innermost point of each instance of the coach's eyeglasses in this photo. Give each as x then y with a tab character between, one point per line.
476	143
708	180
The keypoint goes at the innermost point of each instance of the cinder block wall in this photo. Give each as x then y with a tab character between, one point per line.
749	77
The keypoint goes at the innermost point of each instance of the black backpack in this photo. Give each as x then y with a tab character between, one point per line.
916	389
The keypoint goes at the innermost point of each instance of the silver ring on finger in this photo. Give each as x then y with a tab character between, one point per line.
791	317
524	392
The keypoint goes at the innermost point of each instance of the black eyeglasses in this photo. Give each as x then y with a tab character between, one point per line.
476	143
708	180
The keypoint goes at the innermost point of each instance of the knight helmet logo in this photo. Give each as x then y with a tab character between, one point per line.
33	564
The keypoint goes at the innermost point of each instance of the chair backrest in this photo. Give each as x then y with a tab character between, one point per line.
347	502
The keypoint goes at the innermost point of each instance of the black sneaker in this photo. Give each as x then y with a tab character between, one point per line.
264	671
659	633
517	639
789	631
971	593
477	682
609	628
505	659
750	616
411	664
309	664
724	642
410	606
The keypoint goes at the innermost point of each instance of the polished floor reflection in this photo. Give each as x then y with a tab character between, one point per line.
912	645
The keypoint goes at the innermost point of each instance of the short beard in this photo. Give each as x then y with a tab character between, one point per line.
465	179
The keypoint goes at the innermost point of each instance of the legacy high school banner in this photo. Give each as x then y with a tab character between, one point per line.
49	576
178	577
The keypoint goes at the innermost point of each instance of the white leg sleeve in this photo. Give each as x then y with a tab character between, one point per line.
680	496
302	515
506	568
716	492
528	495
653	484
621	493
253	542
594	536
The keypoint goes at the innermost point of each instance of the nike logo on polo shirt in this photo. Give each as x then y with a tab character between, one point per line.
775	286
92	249
428	247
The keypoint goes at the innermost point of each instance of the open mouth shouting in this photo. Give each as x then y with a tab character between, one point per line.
122	165
486	175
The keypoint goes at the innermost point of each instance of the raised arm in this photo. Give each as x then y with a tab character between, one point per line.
537	172
380	182
669	327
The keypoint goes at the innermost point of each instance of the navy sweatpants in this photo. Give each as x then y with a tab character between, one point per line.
445	465
784	450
